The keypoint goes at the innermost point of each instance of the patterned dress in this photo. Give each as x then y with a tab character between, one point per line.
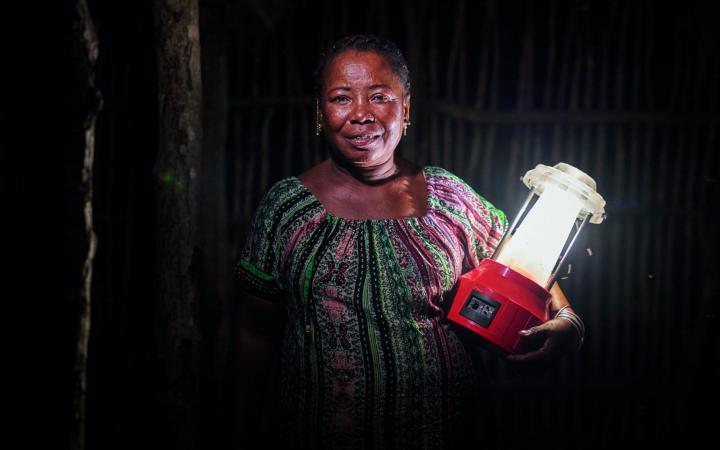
368	360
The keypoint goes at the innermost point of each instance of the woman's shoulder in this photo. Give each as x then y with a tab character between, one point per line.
437	171
439	175
455	187
282	195
284	187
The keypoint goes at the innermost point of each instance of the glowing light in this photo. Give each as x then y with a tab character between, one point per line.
536	245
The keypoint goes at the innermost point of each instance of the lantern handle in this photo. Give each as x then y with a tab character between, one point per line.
551	281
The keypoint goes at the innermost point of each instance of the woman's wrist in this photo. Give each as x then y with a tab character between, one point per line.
559	310
566	313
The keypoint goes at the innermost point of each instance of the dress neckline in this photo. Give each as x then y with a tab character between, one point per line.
381	219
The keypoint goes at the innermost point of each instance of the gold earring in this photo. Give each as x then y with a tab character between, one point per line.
407	119
318	123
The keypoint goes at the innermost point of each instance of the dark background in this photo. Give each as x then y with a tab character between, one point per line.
626	91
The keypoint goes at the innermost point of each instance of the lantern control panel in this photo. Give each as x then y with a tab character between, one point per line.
480	308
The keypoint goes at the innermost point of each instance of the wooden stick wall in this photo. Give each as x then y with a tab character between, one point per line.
626	91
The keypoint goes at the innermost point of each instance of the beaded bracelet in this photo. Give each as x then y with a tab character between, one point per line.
575	321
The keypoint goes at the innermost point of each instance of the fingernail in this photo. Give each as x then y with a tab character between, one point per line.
524	332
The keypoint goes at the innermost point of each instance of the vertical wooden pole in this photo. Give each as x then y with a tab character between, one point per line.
86	52
177	169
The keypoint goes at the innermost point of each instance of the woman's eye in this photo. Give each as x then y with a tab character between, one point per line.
340	99
379	98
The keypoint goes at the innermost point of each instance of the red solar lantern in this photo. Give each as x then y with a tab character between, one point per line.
510	291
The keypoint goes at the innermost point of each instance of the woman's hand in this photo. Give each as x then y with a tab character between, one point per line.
555	338
552	339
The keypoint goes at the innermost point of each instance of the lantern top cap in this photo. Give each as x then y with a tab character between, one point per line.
577	174
571	179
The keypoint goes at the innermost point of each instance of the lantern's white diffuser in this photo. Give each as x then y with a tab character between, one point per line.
539	239
510	291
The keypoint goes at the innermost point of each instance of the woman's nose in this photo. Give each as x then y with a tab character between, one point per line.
361	113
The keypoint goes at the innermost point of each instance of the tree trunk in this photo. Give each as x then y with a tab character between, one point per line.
177	169
85	52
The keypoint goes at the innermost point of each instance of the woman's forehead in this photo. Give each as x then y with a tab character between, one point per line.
357	68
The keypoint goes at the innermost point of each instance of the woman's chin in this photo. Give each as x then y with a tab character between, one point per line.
361	160
362	155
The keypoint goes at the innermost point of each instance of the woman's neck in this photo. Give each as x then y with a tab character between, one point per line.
369	175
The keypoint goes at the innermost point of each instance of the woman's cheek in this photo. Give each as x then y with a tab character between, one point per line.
336	118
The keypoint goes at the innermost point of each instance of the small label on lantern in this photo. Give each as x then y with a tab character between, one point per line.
480	308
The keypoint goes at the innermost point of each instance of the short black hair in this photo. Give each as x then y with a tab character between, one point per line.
365	43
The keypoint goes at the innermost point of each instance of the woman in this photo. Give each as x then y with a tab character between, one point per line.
359	251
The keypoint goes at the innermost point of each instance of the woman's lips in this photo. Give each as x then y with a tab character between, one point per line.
364	140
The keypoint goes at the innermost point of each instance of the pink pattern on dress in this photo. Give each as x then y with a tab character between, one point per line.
345	247
334	308
300	234
343	390
341	361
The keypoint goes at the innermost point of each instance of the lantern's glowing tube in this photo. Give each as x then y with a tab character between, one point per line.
536	245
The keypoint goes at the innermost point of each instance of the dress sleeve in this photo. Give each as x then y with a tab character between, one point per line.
488	225
485	226
259	262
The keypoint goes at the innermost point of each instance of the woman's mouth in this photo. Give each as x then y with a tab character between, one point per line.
363	140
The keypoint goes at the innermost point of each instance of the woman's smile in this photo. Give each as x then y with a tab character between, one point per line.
363	108
364	141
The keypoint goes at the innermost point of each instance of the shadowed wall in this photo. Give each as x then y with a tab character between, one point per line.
626	91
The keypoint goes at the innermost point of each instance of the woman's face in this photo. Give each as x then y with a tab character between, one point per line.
363	107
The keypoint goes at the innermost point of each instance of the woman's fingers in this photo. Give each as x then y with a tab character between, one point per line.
549	332
555	335
536	331
533	335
